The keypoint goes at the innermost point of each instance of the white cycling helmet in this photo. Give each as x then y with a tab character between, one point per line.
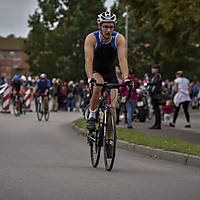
23	78
106	17
43	76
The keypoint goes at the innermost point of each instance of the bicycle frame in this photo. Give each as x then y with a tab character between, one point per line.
101	136
41	107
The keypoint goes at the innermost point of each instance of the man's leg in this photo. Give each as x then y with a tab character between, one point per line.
21	103
94	101
56	103
36	104
114	95
72	105
52	103
37	100
67	104
46	103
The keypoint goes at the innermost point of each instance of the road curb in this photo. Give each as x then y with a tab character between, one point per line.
152	152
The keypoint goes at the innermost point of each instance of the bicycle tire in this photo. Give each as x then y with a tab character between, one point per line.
95	142
109	162
46	115
14	108
95	150
39	112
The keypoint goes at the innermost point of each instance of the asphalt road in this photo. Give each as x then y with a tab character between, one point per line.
49	161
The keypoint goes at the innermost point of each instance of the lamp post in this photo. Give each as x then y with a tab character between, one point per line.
126	31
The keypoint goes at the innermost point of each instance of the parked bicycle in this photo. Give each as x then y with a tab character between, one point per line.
105	123
41	110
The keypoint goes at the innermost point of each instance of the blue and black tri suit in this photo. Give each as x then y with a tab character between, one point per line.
104	58
43	86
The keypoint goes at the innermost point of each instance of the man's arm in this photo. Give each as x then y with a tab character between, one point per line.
89	46
121	50
156	80
35	89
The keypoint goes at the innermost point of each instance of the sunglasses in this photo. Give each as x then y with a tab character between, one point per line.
107	27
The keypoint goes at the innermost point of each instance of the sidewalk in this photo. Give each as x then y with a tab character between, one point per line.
191	135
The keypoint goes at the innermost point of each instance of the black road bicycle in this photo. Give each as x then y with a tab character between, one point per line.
41	111
16	105
105	125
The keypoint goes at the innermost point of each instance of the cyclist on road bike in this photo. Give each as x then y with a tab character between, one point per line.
17	89
42	87
101	49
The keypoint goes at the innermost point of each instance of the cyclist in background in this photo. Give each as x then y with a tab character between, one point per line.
42	88
17	89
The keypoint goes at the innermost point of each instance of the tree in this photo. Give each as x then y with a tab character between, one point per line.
11	36
140	43
175	27
55	42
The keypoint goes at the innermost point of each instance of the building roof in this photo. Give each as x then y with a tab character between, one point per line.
11	43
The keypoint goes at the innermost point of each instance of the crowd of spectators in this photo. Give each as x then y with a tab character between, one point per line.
71	96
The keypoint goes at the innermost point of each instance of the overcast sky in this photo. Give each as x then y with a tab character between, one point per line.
14	15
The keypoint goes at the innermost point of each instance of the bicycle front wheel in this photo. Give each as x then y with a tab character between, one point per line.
16	109
110	139
39	112
95	148
46	114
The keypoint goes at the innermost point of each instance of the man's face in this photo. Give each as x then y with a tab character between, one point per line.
154	70
53	80
107	29
43	79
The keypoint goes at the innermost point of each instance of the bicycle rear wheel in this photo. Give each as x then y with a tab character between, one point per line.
109	141
39	112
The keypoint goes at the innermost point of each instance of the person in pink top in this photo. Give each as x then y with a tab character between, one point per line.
132	102
167	110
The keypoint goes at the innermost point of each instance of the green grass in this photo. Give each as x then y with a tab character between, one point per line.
159	142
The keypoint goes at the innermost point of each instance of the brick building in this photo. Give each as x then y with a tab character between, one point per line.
12	57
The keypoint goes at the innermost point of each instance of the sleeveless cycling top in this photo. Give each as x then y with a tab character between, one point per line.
105	54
